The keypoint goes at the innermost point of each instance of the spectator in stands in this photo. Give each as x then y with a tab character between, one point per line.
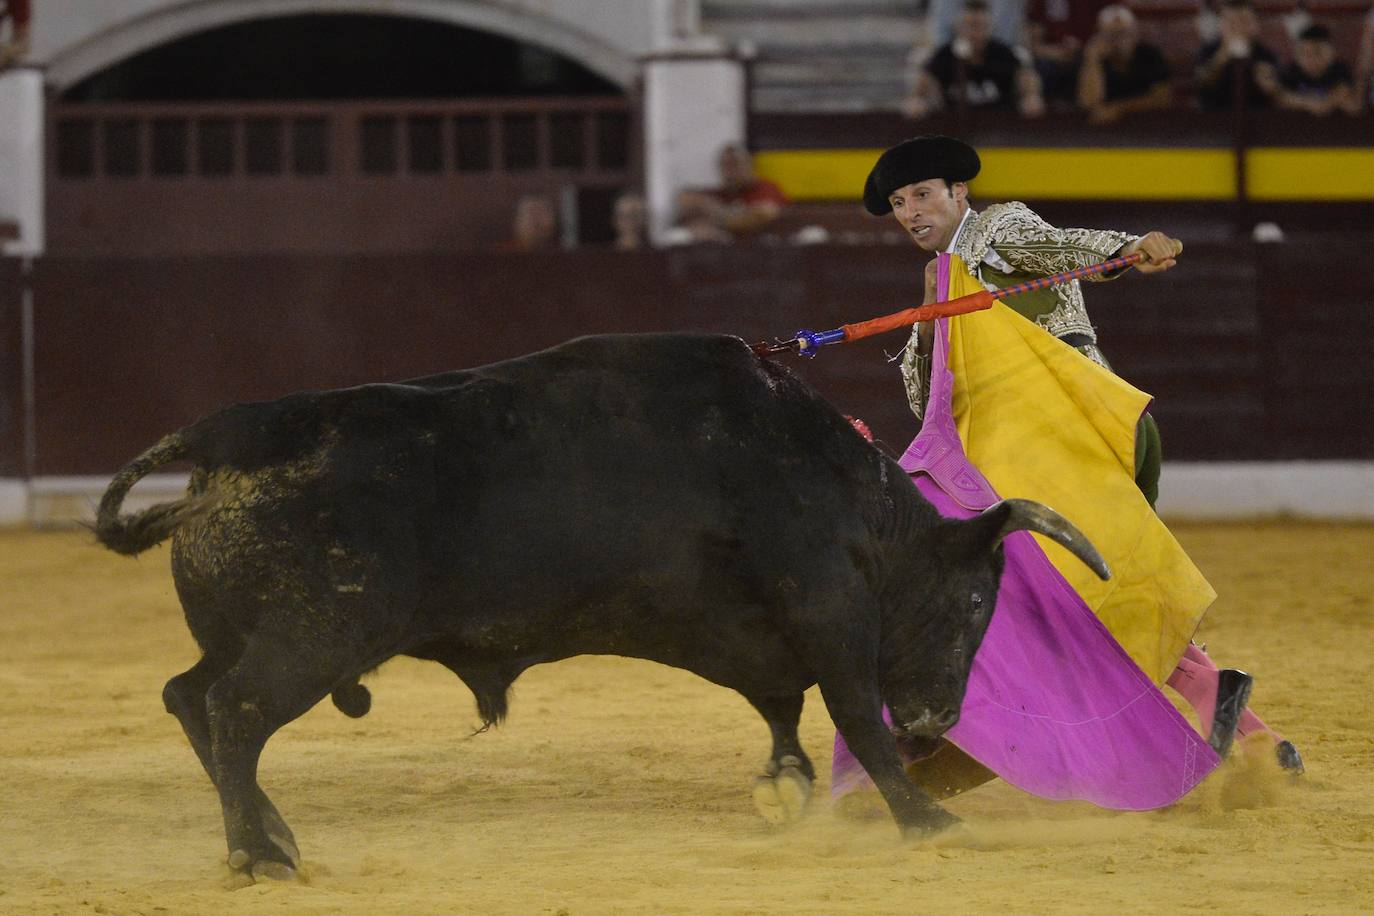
1056	31
978	71
1316	81
629	221
742	205
535	226
1121	74
1297	21
942	21
1208	21
13	48
1237	49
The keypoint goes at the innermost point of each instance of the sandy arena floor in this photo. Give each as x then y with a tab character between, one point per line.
623	787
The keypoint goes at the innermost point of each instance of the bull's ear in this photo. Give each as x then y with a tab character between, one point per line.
1025	515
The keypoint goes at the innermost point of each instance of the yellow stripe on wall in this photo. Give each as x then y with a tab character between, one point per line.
818	174
1331	173
1101	174
1107	174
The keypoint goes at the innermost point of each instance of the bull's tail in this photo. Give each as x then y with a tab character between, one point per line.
131	534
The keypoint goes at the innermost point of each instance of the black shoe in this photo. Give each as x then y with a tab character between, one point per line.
1289	758
1233	693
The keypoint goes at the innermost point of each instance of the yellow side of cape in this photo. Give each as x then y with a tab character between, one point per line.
1043	422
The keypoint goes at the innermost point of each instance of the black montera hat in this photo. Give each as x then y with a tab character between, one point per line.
917	160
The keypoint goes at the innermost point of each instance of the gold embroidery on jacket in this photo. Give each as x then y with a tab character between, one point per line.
915	374
1033	247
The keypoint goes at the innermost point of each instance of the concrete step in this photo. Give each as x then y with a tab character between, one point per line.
827	68
823	100
884	31
822	55
866	55
807	9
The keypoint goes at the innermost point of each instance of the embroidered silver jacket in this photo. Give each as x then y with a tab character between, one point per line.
1012	235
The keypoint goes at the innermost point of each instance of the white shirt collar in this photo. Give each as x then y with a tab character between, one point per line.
990	257
949	249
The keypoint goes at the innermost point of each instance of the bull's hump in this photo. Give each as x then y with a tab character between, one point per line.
641	361
667	348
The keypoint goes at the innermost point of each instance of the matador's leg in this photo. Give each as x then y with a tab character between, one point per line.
1148	457
1219	697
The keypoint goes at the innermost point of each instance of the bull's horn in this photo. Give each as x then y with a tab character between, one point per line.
1027	515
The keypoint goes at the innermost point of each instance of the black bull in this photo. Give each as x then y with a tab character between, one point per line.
667	497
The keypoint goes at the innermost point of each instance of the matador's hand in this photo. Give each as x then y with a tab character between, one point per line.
932	281
1161	251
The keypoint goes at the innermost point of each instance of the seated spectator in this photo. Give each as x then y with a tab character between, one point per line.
978	71
1121	74
628	219
741	206
1056	31
15	46
1236	49
1297	21
1208	21
1315	81
535	226
942	19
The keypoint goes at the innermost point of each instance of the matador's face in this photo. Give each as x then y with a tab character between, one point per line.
930	211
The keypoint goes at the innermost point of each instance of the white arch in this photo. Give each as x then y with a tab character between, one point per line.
177	20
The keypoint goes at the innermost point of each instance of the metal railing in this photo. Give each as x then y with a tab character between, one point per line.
378	176
319	139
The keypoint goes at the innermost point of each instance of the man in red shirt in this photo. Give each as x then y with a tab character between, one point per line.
742	205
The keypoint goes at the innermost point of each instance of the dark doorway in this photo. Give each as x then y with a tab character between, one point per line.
340	57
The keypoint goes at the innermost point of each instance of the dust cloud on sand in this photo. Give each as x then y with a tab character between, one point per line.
619	786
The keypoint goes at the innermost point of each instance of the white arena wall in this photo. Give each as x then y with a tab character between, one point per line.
73	39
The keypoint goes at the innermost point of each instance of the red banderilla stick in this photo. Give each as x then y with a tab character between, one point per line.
808	343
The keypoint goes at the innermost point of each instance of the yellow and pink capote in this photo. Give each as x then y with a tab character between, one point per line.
1063	698
1041	422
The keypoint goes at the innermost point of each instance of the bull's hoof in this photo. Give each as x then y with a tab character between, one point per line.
277	830
932	822
275	871
782	799
262	866
286	844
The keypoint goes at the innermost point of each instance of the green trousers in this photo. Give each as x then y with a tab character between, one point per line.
1148	456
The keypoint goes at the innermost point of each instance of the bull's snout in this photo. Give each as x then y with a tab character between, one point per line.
930	723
